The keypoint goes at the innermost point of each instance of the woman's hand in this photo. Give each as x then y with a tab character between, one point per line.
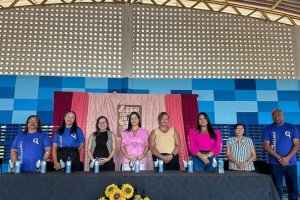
204	158
103	161
57	166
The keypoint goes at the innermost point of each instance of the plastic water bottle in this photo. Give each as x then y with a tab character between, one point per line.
221	166
190	165
18	166
68	165
137	166
43	166
96	166
62	165
160	166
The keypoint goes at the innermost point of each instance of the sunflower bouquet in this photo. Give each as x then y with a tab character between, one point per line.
113	192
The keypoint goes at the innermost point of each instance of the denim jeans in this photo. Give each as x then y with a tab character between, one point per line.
290	174
199	165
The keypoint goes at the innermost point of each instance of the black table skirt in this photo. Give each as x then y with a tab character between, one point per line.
170	185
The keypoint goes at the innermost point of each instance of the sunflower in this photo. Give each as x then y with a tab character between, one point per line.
117	195
110	189
127	191
146	198
102	198
138	197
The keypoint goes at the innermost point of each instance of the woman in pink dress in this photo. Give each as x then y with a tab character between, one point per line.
134	142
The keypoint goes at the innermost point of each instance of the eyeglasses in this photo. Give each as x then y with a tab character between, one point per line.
102	122
239	129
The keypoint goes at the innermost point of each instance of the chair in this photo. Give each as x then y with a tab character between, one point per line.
226	165
262	167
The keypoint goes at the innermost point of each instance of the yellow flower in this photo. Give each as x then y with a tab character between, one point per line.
110	189
146	198
127	191
102	198
117	195
138	197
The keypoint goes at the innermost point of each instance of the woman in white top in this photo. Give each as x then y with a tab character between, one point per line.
240	150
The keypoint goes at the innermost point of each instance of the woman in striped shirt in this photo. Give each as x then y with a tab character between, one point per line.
240	150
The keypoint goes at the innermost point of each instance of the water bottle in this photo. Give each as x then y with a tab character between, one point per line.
137	166
18	166
68	165
62	165
43	166
221	166
155	165
96	166
160	166
190	165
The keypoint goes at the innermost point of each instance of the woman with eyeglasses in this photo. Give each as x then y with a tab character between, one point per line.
240	150
30	146
102	144
134	143
205	144
68	141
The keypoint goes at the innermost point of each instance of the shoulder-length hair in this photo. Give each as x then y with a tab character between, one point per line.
129	121
39	128
210	129
74	127
97	127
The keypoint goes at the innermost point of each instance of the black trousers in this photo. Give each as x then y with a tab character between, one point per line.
64	152
172	165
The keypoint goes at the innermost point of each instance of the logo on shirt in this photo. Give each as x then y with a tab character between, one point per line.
74	136
35	140
287	134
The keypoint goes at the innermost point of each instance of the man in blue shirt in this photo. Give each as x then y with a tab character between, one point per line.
31	145
281	141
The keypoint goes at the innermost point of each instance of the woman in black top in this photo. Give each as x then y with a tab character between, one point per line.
102	144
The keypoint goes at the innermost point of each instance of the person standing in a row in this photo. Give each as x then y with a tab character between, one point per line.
68	140
31	145
164	143
205	144
281	141
102	144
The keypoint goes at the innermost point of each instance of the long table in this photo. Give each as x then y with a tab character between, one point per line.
172	185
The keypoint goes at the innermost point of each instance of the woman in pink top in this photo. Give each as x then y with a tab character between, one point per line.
205	144
134	142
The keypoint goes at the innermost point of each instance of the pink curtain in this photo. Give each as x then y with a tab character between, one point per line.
106	104
174	108
80	107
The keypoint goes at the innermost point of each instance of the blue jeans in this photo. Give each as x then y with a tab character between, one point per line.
199	165
290	174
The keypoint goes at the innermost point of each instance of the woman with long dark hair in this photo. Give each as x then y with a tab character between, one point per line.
205	144
134	142
68	140
102	144
31	145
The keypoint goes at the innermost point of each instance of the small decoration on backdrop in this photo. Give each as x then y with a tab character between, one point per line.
113	192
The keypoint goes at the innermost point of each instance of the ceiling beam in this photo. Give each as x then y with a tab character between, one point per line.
276	4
